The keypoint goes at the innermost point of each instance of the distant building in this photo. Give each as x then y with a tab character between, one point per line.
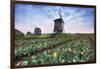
37	31
28	34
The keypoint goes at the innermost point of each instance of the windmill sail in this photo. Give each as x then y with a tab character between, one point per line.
59	12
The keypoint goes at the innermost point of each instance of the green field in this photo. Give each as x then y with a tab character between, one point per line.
54	49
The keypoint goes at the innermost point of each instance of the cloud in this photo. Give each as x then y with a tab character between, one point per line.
76	19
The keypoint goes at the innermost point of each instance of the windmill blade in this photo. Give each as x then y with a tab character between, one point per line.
62	19
59	11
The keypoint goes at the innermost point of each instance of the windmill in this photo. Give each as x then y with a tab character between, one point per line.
59	24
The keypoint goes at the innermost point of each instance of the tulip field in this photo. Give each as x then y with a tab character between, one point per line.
69	48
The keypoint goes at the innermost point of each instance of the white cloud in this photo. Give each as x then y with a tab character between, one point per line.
44	17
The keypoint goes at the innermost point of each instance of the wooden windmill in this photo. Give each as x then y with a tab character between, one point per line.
59	24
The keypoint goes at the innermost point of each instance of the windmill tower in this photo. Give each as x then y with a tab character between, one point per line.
59	24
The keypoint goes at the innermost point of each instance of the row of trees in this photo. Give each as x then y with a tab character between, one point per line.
19	34
37	31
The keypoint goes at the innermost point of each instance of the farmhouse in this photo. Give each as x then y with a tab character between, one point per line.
37	31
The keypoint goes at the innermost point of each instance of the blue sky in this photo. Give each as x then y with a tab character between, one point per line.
76	19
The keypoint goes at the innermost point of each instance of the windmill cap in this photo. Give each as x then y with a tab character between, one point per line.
58	20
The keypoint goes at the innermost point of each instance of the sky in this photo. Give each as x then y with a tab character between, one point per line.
76	19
